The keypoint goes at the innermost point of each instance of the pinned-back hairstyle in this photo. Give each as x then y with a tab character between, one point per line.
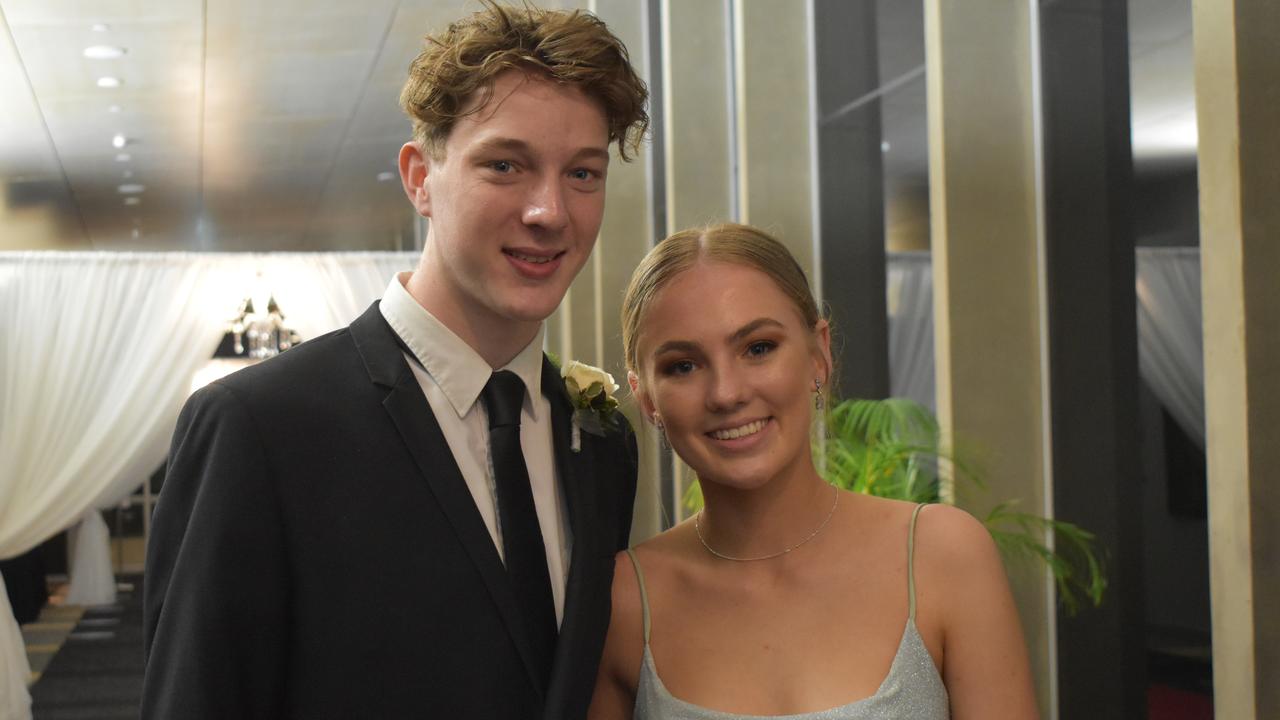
729	243
571	47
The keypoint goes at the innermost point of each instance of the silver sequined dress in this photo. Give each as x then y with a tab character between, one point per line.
912	690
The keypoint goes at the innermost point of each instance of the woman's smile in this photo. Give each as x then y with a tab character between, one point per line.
740	435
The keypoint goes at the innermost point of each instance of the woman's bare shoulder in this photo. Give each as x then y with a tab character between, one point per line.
654	559
963	588
948	537
959	574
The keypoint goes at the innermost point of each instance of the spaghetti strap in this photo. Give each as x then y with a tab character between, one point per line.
644	596
911	571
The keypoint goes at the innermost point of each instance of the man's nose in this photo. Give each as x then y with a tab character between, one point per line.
546	205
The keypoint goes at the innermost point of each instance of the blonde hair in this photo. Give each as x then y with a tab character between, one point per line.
730	243
575	48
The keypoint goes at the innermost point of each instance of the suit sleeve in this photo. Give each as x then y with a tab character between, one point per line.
627	490
216	595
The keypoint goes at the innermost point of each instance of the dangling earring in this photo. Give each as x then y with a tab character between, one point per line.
662	430
818	401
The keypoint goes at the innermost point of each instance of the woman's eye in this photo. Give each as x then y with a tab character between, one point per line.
679	367
759	348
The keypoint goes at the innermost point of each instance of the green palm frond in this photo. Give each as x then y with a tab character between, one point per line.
892	448
1075	566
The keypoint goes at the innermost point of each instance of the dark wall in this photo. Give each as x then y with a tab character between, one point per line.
1166	208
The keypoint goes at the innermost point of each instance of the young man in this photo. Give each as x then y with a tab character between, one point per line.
394	520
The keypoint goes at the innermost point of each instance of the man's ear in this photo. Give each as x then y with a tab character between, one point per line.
414	168
642	398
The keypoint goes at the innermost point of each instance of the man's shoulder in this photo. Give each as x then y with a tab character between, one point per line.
316	376
297	363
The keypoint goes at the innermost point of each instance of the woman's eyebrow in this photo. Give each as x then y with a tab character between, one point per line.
751	327
735	336
676	345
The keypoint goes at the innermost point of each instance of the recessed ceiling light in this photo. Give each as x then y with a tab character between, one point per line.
101	27
130	189
386	176
113	109
104	52
108	82
118	141
884	146
132	200
123	157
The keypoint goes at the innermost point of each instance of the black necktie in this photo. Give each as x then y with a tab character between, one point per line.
526	556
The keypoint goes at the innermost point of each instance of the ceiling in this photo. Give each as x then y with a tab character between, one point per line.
250	125
1161	87
275	125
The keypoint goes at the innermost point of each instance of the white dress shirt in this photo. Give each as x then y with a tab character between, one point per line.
452	375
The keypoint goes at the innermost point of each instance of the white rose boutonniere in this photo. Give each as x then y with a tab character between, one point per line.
590	392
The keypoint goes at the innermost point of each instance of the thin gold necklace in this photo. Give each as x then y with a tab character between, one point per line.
697	528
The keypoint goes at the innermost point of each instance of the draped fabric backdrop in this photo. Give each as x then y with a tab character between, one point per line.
1170	337
98	354
910	303
1170	341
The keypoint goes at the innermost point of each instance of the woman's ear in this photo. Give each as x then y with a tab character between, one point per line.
415	166
822	363
641	396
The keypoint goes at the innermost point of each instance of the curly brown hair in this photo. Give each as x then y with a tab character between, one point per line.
575	47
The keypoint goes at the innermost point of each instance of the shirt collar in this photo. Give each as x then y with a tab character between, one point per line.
454	365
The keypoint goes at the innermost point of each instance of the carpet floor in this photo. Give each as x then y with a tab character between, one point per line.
97	673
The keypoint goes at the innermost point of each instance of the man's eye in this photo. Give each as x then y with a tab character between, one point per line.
502	166
582	174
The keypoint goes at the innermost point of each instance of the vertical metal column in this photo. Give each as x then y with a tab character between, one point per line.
850	192
1092	334
989	317
1237	62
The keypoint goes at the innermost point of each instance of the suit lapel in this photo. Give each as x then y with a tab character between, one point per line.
578	473
418	427
575	468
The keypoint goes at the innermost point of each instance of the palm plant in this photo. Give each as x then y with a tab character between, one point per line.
892	448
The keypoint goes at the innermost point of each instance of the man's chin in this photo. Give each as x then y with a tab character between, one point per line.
533	306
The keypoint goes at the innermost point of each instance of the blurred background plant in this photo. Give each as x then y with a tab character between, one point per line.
892	448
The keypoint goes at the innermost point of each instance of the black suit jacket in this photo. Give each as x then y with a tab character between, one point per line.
315	552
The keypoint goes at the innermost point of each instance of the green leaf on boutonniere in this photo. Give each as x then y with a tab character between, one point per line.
593	405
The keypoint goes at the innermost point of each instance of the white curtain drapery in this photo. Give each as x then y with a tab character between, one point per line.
96	349
320	292
1170	338
15	701
89	543
1170	333
910	304
98	354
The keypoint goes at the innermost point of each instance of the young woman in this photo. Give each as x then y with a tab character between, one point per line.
785	596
